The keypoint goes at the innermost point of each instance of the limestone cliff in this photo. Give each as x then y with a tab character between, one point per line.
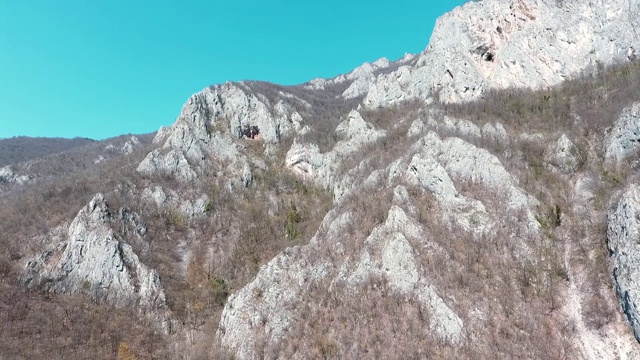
93	260
492	44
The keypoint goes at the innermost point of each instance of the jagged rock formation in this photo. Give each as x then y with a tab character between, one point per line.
565	155
388	253
8	176
130	145
93	260
623	138
170	199
479	46
208	123
307	161
497	44
623	233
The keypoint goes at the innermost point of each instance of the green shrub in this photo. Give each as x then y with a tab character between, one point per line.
218	291
292	220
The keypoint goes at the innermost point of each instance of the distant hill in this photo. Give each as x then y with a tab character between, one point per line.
23	148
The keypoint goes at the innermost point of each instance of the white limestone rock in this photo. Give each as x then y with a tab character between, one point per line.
467	162
130	145
304	159
416	128
191	208
172	163
494	133
7	176
307	161
263	310
207	129
93	260
565	155
498	44
99	159
623	139
388	253
360	78
262	313
623	233
157	195
459	210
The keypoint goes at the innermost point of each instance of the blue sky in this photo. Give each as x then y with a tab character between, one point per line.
103	68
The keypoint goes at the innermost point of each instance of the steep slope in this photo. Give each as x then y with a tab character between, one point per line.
484	45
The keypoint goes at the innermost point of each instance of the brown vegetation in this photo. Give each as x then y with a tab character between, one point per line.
19	149
508	288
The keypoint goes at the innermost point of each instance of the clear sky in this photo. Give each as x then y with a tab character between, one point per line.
97	69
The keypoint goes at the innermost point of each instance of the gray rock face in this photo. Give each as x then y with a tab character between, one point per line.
173	163
389	253
8	176
360	78
189	208
495	132
623	139
307	161
94	261
439	161
623	233
498	44
490	44
209	123
130	145
565	155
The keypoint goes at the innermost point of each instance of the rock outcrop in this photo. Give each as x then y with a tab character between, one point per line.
94	261
623	139
211	121
402	221
623	233
130	145
167	198
565	156
498	44
323	169
265	311
8	176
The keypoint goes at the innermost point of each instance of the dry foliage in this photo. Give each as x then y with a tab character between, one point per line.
510	303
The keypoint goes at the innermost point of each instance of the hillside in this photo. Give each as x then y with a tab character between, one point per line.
477	200
20	149
54	162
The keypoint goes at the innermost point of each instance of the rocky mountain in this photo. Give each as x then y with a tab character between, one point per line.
476	200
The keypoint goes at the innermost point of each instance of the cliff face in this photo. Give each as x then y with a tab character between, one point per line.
623	226
91	259
499	44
